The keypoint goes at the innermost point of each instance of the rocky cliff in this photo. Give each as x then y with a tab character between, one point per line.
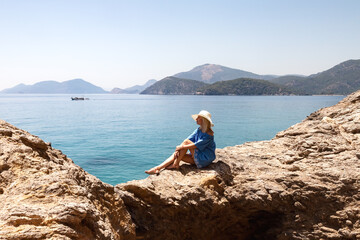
303	184
44	195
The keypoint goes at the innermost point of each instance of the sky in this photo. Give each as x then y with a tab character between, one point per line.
122	43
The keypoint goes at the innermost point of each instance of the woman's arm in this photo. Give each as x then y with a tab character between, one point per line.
186	146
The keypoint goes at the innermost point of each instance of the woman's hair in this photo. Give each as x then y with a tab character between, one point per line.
205	126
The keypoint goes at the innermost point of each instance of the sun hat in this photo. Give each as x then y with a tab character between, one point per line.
205	114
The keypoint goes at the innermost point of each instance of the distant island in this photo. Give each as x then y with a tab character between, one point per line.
174	86
245	86
342	79
75	86
241	86
211	73
133	90
212	79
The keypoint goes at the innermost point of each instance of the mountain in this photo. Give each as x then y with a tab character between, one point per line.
288	80
210	73
118	91
135	89
245	86
174	86
75	86
342	79
241	86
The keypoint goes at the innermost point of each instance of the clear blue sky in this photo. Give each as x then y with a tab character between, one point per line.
118	43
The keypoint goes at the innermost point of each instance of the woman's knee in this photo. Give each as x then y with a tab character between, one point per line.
187	141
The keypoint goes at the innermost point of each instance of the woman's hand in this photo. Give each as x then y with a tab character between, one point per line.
178	148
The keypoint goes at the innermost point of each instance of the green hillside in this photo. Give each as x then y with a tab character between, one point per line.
342	79
211	73
174	86
245	86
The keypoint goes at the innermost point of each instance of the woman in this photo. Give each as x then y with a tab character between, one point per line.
200	144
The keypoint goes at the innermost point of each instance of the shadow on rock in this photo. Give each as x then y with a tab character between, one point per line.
222	170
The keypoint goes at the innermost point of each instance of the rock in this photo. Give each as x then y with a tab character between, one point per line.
348	222
5	132
299	206
329	230
33	142
44	195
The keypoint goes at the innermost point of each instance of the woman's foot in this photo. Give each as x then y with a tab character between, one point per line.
173	166
153	170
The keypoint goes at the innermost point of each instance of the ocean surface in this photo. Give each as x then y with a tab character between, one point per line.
117	137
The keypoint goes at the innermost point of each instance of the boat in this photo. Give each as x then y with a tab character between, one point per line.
78	98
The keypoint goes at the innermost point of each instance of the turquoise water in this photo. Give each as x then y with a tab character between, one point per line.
117	137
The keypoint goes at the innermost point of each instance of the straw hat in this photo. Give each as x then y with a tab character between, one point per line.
205	114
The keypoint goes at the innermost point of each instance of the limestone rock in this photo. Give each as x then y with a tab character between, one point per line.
303	184
44	195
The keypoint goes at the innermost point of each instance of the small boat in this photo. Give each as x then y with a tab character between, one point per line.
78	98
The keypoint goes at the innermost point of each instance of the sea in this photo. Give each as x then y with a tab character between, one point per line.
117	137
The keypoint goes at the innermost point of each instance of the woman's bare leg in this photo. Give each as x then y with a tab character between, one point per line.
183	156
164	164
189	158
178	159
169	161
174	160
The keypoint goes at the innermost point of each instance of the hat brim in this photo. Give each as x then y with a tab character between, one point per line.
195	116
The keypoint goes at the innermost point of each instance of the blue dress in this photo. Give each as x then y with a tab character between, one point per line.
205	151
